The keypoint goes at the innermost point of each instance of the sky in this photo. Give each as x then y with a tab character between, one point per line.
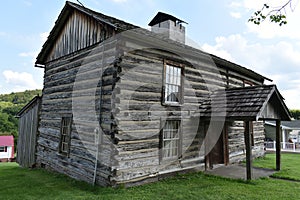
220	28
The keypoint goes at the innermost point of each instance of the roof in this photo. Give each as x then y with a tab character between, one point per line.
122	26
161	17
291	125
7	140
246	103
28	106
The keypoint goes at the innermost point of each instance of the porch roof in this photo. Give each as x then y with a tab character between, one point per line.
247	103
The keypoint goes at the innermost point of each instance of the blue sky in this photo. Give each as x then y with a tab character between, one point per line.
219	28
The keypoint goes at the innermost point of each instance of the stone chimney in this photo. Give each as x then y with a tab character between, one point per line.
169	26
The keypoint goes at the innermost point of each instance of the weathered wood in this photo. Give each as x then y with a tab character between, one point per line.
28	131
77	35
278	145
248	151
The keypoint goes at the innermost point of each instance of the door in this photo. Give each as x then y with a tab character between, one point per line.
216	155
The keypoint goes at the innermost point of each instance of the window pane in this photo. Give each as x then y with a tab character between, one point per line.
173	82
171	139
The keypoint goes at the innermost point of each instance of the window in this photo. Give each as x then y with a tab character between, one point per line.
3	149
65	138
170	139
172	84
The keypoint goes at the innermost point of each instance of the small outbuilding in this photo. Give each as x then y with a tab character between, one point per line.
6	148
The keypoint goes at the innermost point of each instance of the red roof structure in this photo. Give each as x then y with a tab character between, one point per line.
6	141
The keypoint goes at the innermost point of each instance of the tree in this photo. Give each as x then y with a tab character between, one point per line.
275	14
295	114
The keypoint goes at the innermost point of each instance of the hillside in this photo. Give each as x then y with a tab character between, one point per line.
10	104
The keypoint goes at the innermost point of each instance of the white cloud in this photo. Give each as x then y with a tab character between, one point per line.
268	30
235	4
27	3
31	54
279	61
44	36
19	81
236	15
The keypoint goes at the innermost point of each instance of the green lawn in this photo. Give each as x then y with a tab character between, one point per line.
290	165
18	183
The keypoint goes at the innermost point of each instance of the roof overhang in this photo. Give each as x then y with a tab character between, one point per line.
28	106
254	103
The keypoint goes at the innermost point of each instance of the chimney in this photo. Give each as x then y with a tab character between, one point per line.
169	26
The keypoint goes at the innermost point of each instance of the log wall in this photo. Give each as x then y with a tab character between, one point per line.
116	101
139	114
79	85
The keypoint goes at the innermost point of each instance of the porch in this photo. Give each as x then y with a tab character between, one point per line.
239	172
285	147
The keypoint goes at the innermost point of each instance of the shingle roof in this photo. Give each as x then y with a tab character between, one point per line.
248	103
291	125
122	26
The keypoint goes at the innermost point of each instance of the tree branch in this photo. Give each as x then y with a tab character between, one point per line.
276	14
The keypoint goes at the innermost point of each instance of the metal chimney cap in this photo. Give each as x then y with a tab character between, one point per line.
161	17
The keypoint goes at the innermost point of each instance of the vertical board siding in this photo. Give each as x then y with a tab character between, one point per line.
26	147
79	32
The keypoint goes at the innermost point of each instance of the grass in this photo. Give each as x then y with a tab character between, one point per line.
290	165
19	183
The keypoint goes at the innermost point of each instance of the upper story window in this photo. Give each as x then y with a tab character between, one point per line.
173	85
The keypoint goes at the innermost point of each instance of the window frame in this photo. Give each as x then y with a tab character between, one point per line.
3	149
65	134
162	156
181	86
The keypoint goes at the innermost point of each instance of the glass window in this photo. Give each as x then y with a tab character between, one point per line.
3	149
172	93
170	139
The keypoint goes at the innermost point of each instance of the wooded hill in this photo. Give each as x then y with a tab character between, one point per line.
10	104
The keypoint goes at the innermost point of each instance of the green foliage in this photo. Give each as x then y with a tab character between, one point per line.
295	114
274	14
20	97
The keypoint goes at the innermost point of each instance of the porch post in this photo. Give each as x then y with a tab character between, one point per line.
248	150
278	145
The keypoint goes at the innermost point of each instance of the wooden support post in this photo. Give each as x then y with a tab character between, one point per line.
278	145
248	150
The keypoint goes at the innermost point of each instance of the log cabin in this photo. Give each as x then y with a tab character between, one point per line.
122	105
